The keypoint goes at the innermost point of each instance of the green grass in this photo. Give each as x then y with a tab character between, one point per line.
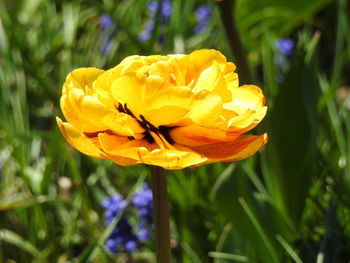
289	203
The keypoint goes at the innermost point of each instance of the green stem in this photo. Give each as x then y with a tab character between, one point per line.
161	214
226	8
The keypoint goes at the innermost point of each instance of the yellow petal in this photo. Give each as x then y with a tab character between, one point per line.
168	106
78	140
78	118
169	95
127	89
78	84
245	97
241	148
122	161
205	109
229	68
173	159
204	58
83	78
246	121
211	79
231	81
168	115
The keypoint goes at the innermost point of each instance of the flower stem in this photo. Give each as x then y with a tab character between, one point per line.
227	16
161	214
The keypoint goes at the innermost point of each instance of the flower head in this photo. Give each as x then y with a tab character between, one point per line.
171	111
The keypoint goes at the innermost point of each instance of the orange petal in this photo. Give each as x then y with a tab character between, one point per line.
125	152
111	144
241	148
78	140
195	135
123	147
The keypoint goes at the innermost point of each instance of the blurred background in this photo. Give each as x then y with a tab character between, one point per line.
289	203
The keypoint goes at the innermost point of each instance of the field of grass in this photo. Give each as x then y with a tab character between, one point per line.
289	203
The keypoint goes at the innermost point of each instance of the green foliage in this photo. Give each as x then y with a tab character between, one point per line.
290	203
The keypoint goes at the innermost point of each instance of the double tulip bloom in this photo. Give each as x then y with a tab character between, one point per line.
171	111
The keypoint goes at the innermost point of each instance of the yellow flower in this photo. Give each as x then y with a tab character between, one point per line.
171	111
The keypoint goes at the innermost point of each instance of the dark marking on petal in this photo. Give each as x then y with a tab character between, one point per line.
150	125
148	137
120	108
164	130
127	111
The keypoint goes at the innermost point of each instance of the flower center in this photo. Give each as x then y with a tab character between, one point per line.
163	130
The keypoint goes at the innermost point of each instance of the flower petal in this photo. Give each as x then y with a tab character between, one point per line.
78	140
195	135
211	79
205	109
204	58
245	97
241	148
246	121
173	158
82	78
124	147
130	91
126	151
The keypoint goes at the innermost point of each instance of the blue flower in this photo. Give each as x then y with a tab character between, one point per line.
166	8
122	236
152	7
166	11
282	59
143	201
130	246
106	21
203	14
285	46
146	34
106	36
